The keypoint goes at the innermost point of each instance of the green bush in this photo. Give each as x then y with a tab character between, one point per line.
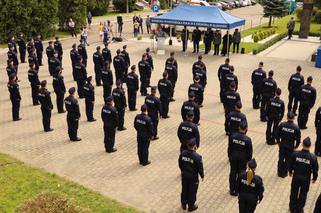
271	42
75	9
164	4
255	38
31	17
317	17
98	7
120	5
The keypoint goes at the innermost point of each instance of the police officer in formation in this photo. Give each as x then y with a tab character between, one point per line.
12	55
230	99
188	130
22	47
217	40
274	114
119	66
74	56
81	76
198	91
288	139
229	78
32	58
11	70
234	119
46	106
144	127
201	73
120	103
239	152
208	38
58	84
58	48
98	65
110	119
73	114
30	45
153	104
250	189
191	166
39	49
257	78
197	64
106	53
269	87
144	72
307	97
132	88
50	51
82	51
196	38
302	165
171	70
150	59
222	71
54	63
125	56
107	79
11	42
190	105
34	83
294	85
15	97
165	89
171	58
184	38
317	124
89	92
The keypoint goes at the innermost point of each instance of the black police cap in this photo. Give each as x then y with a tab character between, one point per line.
197	78
143	108
147	50
238	105
191	142
290	115
98	48
310	78
118	51
307	142
118	82
133	67
278	91
243	125
191	95
232	85
299	68
252	164
153	88
190	113
125	46
43	83
89	78
109	99
72	90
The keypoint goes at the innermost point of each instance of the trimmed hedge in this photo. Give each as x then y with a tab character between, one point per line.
270	43
261	35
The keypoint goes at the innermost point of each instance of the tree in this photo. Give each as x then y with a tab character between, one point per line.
120	5
98	7
306	18
75	9
274	8
28	16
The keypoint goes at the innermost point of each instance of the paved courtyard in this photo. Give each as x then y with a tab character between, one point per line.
155	188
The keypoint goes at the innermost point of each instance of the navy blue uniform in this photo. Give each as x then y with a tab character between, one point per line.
11	71
172	75
144	72
82	51
15	99
257	78
249	194
30	46
58	49
89	93
50	53
187	130
301	165
274	113
132	88
165	89
191	166
125	56
120	67
294	85
107	78
288	138
144	127
208	38
222	71
317	124
153	110
73	115
54	63
120	104
269	87
307	96
230	98
34	83
81	76
228	79
32	58
109	116
46	107
12	55
191	106
74	56
203	77
60	90
150	60
22	48
198	91
39	50
233	121
197	66
239	152
99	64
106	55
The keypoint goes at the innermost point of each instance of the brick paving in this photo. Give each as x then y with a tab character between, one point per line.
155	188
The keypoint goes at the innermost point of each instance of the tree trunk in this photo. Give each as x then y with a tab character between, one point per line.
306	18
270	21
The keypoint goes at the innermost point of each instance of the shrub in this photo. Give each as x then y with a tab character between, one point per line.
254	51
75	9
317	17
139	37
255	38
271	42
98	7
120	5
31	17
48	202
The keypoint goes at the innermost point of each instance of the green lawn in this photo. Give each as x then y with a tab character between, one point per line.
20	182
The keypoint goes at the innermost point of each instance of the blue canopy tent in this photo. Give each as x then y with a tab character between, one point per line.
199	16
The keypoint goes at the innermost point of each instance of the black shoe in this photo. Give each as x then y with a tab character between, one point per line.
155	138
263	120
81	97
92	120
76	139
233	193
192	208
172	99
132	110
165	117
184	207
111	151
145	164
121	129
36	104
49	130
270	143
17	119
282	176
63	111
304	127
256	107
295	114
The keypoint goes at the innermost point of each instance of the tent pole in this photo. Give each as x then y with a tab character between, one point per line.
185	42
170	35
228	44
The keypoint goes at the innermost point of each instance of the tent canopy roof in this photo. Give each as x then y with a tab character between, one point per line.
199	16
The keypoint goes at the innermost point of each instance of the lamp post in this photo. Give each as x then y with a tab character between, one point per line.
306	18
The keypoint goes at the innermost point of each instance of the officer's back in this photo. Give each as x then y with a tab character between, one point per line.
72	107
255	188
288	133
191	165
164	88
308	95
44	99
109	116
240	146
258	76
269	87
230	99
295	83
190	106
143	126
275	108
153	105
119	98
234	120
89	92
188	130
132	81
